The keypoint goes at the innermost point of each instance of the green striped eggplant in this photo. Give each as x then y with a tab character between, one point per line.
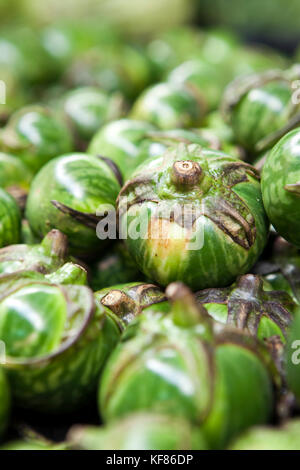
281	187
261	108
120	141
168	106
204	78
23	53
139	431
15	177
249	306
87	109
72	193
116	267
194	215
285	437
44	257
56	342
5	396
75	38
10	219
127	301
35	135
176	364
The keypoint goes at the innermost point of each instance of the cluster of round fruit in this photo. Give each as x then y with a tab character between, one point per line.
137	258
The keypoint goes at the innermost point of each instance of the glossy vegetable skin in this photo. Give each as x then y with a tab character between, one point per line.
56	349
260	108
221	226
173	362
168	106
281	187
71	193
35	135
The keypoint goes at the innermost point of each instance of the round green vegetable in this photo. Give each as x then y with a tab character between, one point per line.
248	306
261	108
140	431
72	193
44	257
87	109
194	215
120	141
204	78
10	219
173	363
67	39
35	135
281	187
15	177
22	52
56	346
169	106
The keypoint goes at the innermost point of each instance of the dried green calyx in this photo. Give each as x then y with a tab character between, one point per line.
127	301
248	306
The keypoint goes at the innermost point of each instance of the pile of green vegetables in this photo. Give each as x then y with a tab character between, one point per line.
184	331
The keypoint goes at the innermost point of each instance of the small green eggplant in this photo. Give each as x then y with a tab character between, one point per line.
35	135
168	106
195	215
261	108
72	193
56	342
87	109
281	187
120	141
175	363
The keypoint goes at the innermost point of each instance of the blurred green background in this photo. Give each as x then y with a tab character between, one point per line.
274	21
